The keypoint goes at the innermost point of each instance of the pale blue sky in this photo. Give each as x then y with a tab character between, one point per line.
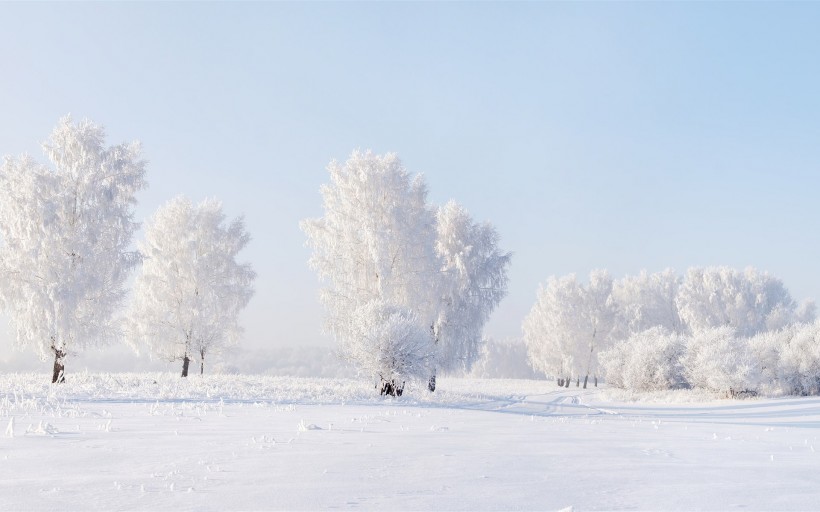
616	135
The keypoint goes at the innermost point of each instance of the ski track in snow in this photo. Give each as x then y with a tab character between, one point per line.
157	442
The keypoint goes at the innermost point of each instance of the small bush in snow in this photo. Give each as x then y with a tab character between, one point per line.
799	361
647	361
717	360
388	341
766	349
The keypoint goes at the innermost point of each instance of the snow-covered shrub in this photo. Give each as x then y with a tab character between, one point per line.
766	350
789	359
799	365
388	342
717	360
646	361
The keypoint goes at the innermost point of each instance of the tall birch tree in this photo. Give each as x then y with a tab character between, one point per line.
191	289
473	281
66	235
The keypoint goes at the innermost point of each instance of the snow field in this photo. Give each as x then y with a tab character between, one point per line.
157	442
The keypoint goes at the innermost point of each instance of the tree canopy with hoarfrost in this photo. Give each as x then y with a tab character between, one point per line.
748	301
646	301
66	232
191	289
390	260
473	282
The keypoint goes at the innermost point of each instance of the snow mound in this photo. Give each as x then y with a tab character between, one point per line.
43	429
304	427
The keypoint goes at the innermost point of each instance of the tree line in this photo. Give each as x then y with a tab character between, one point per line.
407	286
715	328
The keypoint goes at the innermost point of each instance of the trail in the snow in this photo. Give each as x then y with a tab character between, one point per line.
793	412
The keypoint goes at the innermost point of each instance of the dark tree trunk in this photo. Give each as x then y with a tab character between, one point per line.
578	382
560	383
566	382
586	379
392	388
202	362
59	367
596	381
185	362
431	384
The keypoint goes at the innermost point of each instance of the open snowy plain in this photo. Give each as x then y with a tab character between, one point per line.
158	442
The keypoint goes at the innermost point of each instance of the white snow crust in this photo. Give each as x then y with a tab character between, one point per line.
225	442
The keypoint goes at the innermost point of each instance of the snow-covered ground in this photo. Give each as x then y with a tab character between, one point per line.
157	442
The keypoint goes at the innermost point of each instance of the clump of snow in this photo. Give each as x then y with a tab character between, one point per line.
43	429
304	427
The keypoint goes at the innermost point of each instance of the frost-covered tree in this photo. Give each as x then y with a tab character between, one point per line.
374	244
379	242
599	314
473	281
66	231
747	301
645	301
568	325
191	289
551	329
693	332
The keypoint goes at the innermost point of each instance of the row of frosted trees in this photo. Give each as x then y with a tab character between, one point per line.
67	231
408	285
715	328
